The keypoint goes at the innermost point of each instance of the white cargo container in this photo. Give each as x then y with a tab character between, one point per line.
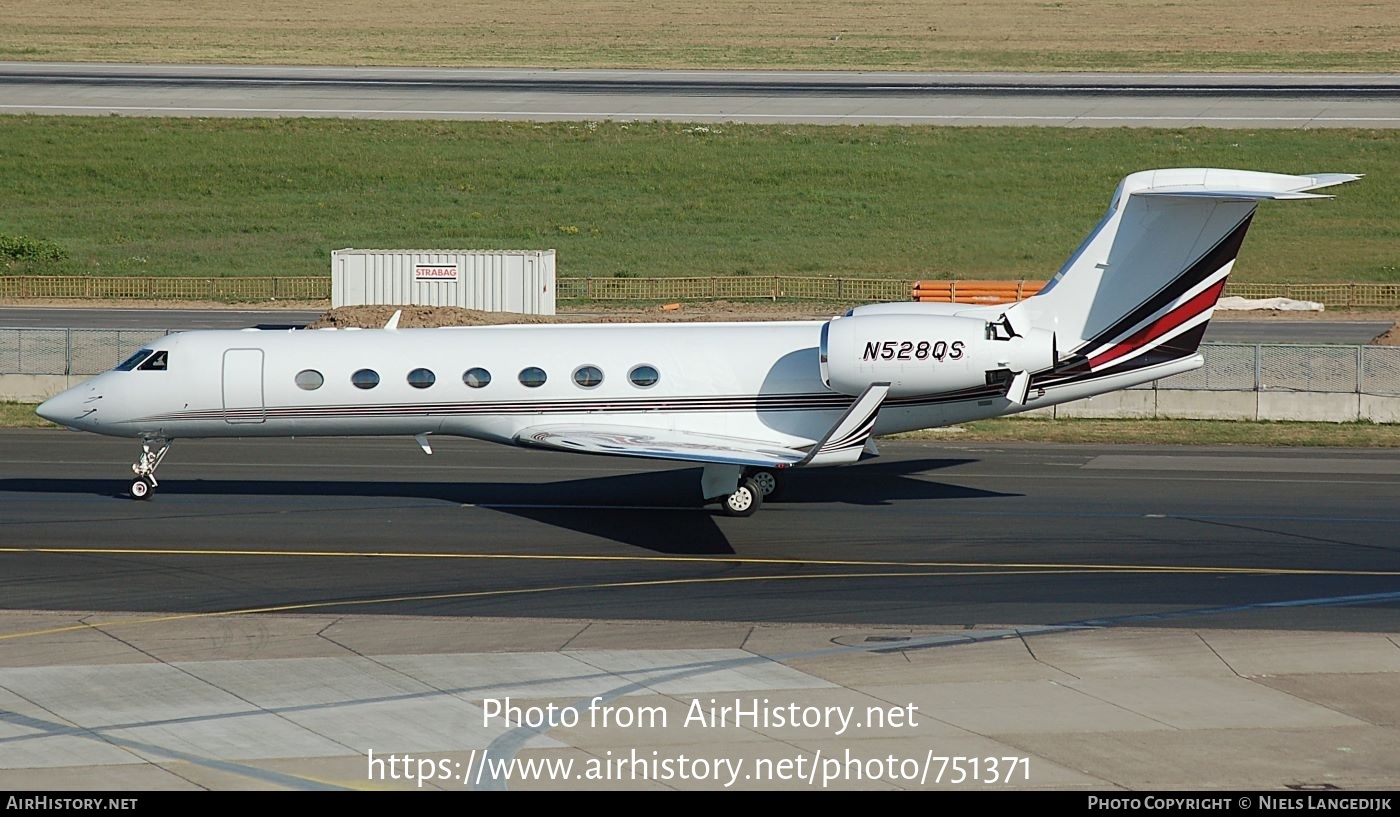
490	280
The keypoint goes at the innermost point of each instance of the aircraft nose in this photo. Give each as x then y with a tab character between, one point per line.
69	407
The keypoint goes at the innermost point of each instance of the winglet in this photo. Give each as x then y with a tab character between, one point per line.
393	322
1019	388
846	440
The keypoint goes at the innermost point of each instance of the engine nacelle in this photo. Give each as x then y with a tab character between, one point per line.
923	355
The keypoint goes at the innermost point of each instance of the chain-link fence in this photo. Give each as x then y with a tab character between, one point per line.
1229	366
68	351
732	287
1291	367
177	288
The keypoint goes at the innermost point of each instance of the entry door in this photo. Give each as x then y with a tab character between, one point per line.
243	386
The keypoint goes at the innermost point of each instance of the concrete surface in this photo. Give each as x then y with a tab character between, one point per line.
1091	709
35	388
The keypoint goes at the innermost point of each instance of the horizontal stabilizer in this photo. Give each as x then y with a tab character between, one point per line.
1320	180
1230	195
1236	185
1247	184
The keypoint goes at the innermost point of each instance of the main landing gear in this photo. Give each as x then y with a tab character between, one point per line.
751	487
745	501
152	452
765	479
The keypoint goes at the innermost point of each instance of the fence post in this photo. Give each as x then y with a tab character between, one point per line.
68	351
1258	368
1360	361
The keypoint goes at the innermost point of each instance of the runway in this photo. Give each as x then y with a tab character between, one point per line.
1071	100
929	534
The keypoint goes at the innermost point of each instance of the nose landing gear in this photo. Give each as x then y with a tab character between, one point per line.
152	452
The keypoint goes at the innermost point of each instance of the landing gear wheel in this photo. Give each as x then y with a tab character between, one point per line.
745	501
153	450
766	480
141	488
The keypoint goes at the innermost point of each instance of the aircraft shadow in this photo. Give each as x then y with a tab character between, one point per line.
650	510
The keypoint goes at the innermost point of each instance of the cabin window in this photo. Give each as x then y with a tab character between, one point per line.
365	379
476	378
532	377
157	362
588	376
644	376
309	379
131	362
421	378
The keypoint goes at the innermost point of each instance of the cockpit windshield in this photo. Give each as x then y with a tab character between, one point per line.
133	361
145	360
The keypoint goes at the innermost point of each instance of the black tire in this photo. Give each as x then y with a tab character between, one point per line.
766	480
745	501
141	488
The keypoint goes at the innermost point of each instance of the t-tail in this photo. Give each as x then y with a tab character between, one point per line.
1140	289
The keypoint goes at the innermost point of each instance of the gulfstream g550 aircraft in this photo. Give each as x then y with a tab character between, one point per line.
745	400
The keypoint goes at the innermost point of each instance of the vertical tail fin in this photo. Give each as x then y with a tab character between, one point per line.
1143	285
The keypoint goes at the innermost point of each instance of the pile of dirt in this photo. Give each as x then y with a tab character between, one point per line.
1390	337
419	317
425	317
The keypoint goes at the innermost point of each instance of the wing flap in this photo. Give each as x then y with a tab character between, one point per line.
660	444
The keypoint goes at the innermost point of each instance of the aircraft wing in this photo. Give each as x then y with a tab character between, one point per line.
844	442
660	444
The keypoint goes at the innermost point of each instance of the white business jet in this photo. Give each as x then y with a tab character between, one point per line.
744	400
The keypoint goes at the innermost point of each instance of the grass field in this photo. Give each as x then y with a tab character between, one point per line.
21	415
274	197
1132	35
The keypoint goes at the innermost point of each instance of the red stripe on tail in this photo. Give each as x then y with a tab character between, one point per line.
1200	303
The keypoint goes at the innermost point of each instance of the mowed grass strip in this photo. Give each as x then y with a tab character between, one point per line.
21	415
136	196
1131	35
